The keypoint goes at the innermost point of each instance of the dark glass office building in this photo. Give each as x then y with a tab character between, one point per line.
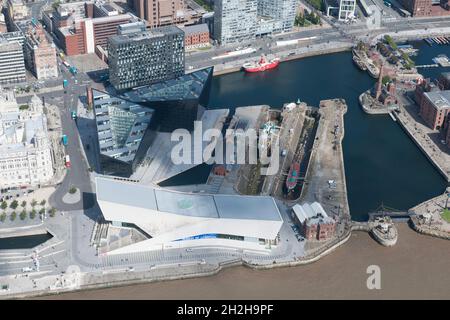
177	102
123	138
145	57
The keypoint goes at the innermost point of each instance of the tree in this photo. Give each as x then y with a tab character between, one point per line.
14	205
32	214
52	212
72	190
43	202
385	80
42	211
13	215
23	215
33	203
4	205
3	217
23	204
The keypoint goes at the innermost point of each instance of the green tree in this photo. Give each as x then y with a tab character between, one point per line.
4	205
72	190
14	205
52	212
13	216
33	203
32	214
23	215
3	217
42	211
43	202
23	204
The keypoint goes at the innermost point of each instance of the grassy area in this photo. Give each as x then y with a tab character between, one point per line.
204	4
446	215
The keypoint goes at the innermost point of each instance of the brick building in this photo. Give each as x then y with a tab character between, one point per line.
447	130
444	81
160	12
40	53
196	36
427	8
425	85
313	221
88	33
434	107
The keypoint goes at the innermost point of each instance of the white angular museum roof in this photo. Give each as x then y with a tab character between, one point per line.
187	204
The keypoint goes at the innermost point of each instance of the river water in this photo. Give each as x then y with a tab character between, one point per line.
415	268
382	164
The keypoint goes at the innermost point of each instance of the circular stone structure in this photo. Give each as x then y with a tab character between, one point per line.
71	198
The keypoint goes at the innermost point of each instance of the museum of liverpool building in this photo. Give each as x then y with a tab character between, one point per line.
172	219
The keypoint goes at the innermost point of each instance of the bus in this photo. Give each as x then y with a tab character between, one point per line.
64	140
73	70
65	83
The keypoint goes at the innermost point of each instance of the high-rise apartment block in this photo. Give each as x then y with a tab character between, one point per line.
145	57
235	20
242	20
280	10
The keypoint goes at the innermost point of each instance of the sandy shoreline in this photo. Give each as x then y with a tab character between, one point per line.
415	268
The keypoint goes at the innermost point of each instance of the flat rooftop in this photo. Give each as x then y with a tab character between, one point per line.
187	204
147	34
439	99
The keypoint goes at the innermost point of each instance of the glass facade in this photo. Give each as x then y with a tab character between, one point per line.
146	57
122	133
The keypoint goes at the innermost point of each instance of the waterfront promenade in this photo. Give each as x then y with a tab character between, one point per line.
341	275
429	141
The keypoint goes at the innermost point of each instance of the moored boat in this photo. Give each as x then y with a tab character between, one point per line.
361	65
293	174
261	65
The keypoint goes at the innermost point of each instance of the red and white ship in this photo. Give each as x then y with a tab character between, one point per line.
261	65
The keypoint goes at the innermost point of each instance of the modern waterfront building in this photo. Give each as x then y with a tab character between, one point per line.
282	11
25	149
122	133
40	53
242	20
313	221
434	108
145	57
12	61
171	219
178	102
235	20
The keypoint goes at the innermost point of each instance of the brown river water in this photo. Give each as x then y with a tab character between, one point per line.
417	267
